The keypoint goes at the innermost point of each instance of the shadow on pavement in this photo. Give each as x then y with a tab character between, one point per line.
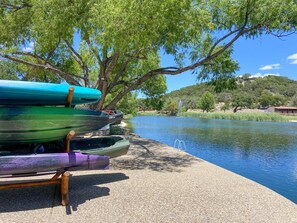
81	189
148	154
85	187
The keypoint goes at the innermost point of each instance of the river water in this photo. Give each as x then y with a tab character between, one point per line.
265	152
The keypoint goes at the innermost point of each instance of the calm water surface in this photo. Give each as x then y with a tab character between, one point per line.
265	152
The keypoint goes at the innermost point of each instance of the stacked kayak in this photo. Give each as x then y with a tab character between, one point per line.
112	146
38	93
28	116
37	124
24	164
116	115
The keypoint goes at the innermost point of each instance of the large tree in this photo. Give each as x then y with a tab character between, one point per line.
242	100
206	102
115	45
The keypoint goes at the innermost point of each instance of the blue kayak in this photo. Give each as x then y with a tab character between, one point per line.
38	93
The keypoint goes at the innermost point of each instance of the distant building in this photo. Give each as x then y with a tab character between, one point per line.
284	110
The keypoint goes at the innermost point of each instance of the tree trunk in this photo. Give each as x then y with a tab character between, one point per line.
235	109
103	95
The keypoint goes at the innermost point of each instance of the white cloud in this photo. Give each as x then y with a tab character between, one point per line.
271	67
257	75
293	58
268	74
29	48
265	75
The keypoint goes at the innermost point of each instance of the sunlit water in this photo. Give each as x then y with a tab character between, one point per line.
265	152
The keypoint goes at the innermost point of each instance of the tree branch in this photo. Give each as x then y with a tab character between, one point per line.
173	70
95	53
221	39
80	61
138	57
75	54
47	66
110	68
234	31
99	61
7	5
43	61
51	53
118	75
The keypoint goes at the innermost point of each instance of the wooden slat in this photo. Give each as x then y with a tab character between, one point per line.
67	141
70	96
30	184
64	188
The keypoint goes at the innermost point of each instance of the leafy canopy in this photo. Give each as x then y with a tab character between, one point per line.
206	102
115	45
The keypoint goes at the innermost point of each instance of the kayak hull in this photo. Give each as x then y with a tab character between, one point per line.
112	146
24	164
38	93
44	124
116	114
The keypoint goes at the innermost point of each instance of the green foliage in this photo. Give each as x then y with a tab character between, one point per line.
155	103
141	105
225	97
241	100
8	70
128	104
184	109
154	87
171	107
206	102
246	77
14	71
268	99
149	113
225	107
294	100
146	104
221	70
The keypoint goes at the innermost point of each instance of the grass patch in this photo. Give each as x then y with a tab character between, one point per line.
260	117
149	113
128	116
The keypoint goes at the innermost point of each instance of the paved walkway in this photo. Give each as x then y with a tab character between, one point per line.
152	183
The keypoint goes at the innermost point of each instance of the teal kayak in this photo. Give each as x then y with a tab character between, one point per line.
38	93
39	124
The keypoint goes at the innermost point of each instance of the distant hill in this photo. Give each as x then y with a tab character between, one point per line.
280	87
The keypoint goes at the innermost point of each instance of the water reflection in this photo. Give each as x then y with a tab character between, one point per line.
262	151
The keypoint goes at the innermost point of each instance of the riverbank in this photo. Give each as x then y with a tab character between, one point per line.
245	115
152	183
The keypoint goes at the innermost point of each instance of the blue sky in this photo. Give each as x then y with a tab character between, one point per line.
261	56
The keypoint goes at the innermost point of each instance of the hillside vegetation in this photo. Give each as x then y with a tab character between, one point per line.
250	93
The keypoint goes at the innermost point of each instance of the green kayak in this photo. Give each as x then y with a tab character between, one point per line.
112	146
44	124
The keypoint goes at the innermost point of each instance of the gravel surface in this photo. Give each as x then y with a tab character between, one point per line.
152	183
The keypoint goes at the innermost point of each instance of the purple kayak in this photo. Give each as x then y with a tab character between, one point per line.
23	164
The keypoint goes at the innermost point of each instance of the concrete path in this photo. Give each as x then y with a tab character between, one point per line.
152	183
